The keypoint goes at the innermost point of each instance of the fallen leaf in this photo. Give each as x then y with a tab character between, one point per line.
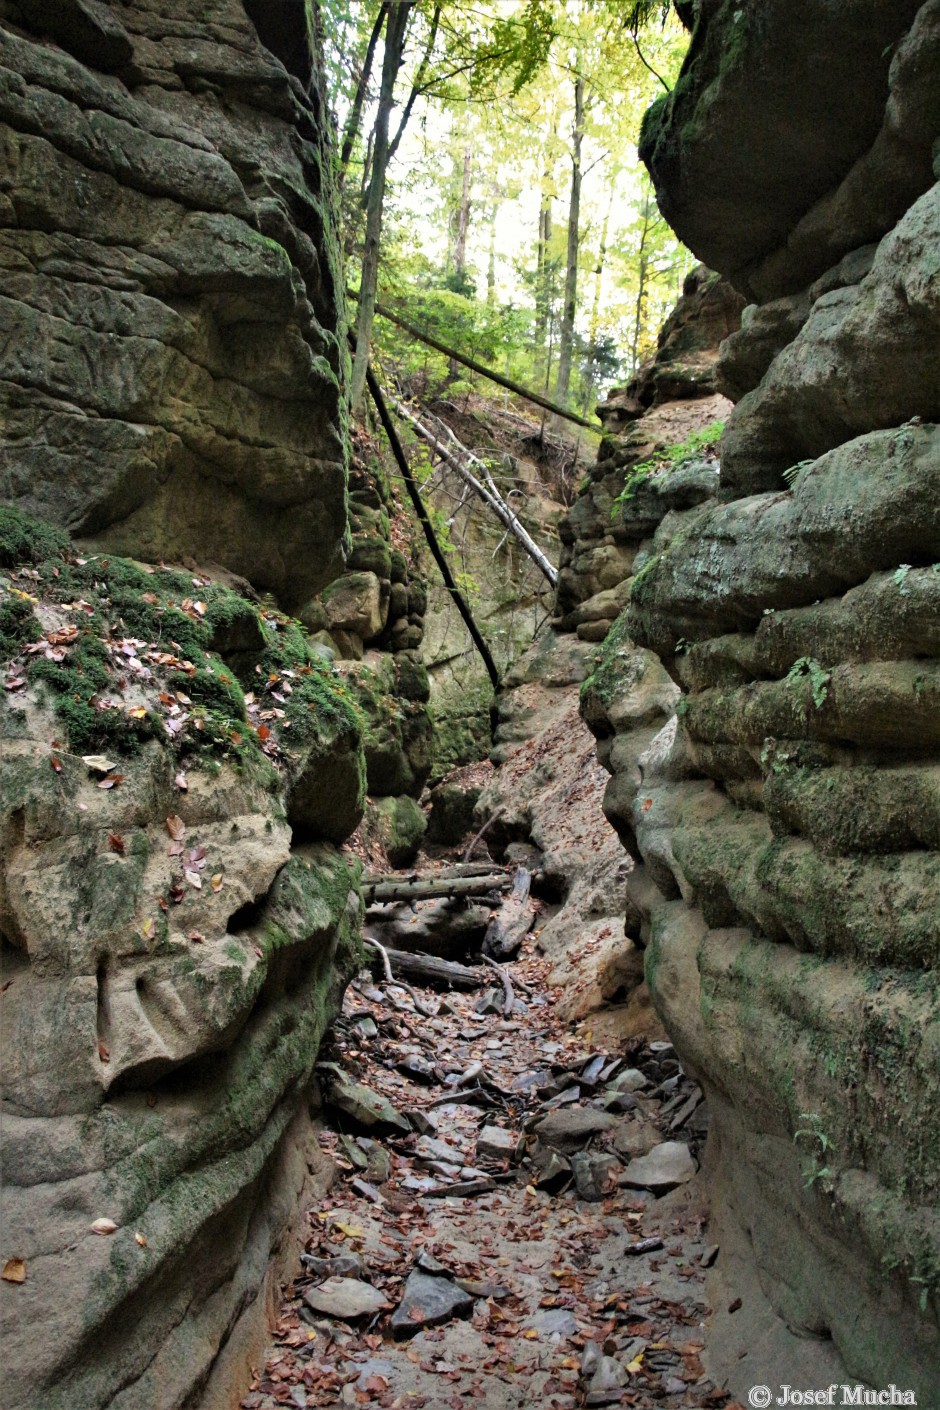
103	1226
194	879
352	1231
98	763
116	843
175	827
264	732
181	783
111	781
217	882
197	936
141	1239
103	1052
56	763
138	713
15	683
14	1271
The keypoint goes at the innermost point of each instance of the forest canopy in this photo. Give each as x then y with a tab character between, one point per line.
491	188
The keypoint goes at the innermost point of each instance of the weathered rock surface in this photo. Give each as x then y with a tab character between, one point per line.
154	1066
784	820
171	382
427	1301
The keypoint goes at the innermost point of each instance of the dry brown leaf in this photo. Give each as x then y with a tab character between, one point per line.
103	1051
141	1239
116	843
175	827
194	879
111	781
14	1270
103	1226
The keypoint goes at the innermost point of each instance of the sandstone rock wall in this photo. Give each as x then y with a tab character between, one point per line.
177	921
176	927
172	367
672	396
784	819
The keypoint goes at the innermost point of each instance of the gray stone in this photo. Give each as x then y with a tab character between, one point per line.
595	1175
345	1298
495	1143
607	1381
630	1080
345	1265
554	1321
427	1302
554	1173
363	1106
569	1129
424	1122
666	1166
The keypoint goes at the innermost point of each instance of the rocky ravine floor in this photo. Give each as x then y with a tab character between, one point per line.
535	1238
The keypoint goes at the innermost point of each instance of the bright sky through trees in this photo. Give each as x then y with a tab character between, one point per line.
475	230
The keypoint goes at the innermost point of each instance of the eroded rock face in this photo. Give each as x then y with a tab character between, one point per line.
171	378
784	820
154	1065
171	956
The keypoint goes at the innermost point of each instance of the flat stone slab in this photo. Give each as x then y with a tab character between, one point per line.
666	1166
568	1129
363	1106
346	1298
495	1143
556	1321
427	1301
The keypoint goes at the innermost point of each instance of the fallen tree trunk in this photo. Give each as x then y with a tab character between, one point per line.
485	488
515	387
427	527
426	969
420	890
509	927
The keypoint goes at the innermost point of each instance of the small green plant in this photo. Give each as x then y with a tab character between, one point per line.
819	678
792	472
900	578
669	456
817	1146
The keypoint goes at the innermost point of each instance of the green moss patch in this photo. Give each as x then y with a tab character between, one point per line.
124	653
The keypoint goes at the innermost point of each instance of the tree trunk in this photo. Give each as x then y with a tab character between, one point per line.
566	334
463	216
355	111
491	260
543	274
641	292
484	487
395	30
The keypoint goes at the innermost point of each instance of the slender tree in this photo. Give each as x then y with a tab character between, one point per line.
566	332
396	29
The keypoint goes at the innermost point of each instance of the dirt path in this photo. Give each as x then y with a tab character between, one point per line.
549	1298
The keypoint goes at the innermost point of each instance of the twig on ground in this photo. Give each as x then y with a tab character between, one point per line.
509	1001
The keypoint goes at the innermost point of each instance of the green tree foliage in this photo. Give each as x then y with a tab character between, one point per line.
515	220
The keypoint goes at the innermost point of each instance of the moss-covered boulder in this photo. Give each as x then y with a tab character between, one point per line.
398	826
169	961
